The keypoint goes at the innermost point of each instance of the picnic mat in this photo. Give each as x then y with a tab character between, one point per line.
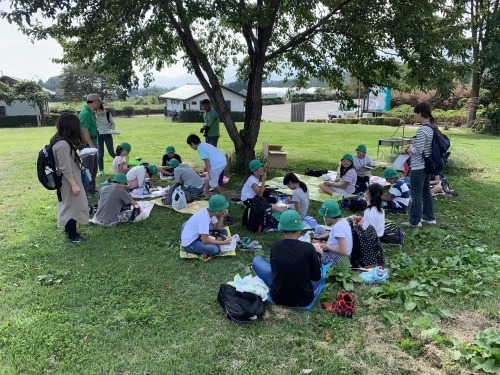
191	208
146	208
312	186
185	255
137	193
324	268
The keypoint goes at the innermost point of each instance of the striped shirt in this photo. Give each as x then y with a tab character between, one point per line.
422	145
216	157
400	194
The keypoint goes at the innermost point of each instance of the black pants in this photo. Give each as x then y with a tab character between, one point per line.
70	229
108	139
362	184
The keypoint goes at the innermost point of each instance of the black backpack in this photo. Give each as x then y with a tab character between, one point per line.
240	306
261	215
393	233
354	203
46	167
435	162
366	248
314	172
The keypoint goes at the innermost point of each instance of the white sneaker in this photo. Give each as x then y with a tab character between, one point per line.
428	221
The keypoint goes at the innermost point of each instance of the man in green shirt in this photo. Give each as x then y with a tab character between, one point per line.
89	131
211	120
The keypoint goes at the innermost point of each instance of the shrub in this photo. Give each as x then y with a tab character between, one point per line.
388	121
63	109
297	98
345	121
128	111
145	111
18	121
238	116
111	110
270	101
51	119
491	122
190	115
139	101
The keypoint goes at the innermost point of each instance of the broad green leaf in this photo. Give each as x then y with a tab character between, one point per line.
421	294
348	286
448	290
423	322
431	331
391	316
447	313
410	305
457	355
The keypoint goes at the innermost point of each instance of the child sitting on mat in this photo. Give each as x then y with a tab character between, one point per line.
339	242
345	183
111	198
374	214
186	176
360	162
169	155
398	197
293	273
195	232
137	175
300	195
120	163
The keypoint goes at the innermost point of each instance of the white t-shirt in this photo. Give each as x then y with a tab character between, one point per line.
246	191
137	173
373	217
116	162
341	229
197	225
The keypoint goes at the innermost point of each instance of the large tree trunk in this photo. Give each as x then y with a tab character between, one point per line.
474	99
475	18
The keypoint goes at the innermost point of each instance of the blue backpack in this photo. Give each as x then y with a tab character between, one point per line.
435	162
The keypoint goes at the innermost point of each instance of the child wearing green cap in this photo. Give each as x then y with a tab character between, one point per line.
111	198
120	162
195	235
361	161
136	175
293	273
345	183
339	241
169	155
398	197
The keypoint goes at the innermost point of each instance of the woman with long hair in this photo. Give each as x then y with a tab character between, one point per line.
422	207
73	204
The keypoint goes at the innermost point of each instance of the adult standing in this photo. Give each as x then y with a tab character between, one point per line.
89	131
211	123
73	205
105	123
422	206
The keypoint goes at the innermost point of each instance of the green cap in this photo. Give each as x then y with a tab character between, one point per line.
170	149
329	208
290	221
217	203
254	165
348	157
361	148
390	173
173	163
153	169
120	178
126	146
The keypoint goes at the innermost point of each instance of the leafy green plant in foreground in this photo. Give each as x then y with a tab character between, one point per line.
343	275
484	353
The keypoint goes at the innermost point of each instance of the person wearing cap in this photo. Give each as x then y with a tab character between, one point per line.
293	273
105	123
90	134
111	198
345	183
339	242
195	235
137	174
120	162
186	176
211	123
169	155
398	197
214	159
252	185
360	162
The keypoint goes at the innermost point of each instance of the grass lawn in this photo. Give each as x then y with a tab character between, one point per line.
124	302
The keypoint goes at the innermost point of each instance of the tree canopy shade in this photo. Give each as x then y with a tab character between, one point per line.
296	39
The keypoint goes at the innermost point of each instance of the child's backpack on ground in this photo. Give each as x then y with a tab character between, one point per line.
258	214
366	248
314	172
354	203
393	233
167	201
240	306
435	162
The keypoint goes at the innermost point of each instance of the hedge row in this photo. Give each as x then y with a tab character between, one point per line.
388	121
17	121
271	101
190	115
297	98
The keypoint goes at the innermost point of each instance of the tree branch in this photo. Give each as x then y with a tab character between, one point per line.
303	36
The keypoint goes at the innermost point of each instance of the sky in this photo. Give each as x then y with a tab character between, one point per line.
28	60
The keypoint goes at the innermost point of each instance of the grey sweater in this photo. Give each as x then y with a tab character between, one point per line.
186	175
